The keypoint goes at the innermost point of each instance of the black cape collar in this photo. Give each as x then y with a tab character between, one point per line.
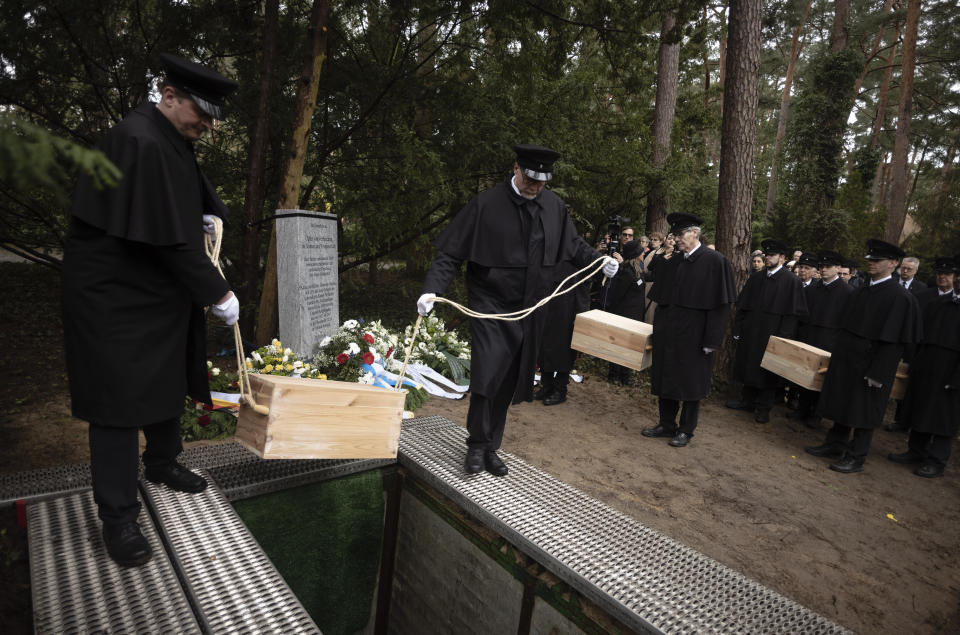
149	110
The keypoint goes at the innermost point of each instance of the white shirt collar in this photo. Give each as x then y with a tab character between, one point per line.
907	283
691	252
770	273
944	292
514	185
873	282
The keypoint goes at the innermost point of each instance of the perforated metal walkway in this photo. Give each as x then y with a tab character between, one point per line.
217	579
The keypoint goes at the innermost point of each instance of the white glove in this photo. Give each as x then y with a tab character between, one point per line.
872	383
707	350
229	311
610	267
425	304
208	225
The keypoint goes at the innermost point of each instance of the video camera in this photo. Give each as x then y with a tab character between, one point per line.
614	225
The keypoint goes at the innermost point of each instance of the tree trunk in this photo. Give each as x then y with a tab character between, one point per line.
308	83
795	47
897	213
668	63
838	35
873	52
880	118
253	195
741	93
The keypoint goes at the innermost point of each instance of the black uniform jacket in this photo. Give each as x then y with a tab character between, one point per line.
555	351
878	322
693	297
930	294
136	279
768	305
513	248
930	407
825	304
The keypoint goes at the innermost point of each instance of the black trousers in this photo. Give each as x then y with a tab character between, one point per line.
487	415
934	448
688	416
761	398
808	401
114	464
839	434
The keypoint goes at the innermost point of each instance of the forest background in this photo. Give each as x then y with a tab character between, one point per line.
820	123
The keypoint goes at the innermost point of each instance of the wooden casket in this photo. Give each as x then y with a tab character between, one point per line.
316	419
614	338
807	365
803	364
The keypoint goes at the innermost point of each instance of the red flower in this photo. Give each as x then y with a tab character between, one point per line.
368	358
342	358
207	407
368	338
204	420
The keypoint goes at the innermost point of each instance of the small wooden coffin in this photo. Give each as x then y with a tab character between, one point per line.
803	364
614	338
315	419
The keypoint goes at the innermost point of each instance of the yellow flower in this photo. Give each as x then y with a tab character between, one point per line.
268	368
322	376
277	344
289	367
249	364
306	366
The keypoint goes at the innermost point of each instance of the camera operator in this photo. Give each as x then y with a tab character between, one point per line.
625	294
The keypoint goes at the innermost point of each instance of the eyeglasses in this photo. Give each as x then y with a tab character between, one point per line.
626	234
844	275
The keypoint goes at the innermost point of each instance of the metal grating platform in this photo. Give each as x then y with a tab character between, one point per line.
77	588
646	580
234	586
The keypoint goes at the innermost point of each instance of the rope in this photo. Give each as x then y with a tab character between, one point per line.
212	247
512	316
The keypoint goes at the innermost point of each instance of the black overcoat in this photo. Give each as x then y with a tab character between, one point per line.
929	406
825	304
693	297
878	322
767	305
136	278
555	351
512	248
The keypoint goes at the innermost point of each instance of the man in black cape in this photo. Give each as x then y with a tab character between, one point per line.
944	269
880	321
932	402
135	281
825	298
770	303
694	290
512	237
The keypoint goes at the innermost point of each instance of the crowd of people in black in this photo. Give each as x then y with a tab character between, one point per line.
868	319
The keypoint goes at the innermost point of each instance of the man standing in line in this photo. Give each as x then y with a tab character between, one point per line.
513	237
945	270
770	303
825	302
135	281
908	276
932	403
693	292
880	320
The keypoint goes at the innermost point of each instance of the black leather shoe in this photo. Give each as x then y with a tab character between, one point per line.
126	545
895	427
847	465
828	450
658	431
474	461
929	470
541	392
559	395
680	440
761	415
738	404
494	465
906	458
175	476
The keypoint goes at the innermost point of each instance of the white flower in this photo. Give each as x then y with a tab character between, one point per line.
366	378
350	324
353	348
257	357
215	371
325	341
209	364
287	351
297	364
285	359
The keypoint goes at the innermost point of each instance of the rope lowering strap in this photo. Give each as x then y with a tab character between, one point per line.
212	246
581	276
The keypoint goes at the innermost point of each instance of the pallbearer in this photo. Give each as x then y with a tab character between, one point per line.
879	320
694	290
825	301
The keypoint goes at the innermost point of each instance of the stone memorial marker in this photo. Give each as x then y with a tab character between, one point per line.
307	278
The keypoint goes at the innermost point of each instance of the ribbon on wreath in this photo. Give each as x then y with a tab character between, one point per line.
425	377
